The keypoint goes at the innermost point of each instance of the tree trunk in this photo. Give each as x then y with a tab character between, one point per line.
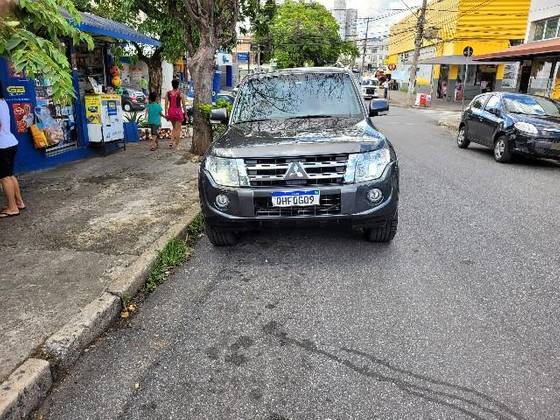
154	73
201	67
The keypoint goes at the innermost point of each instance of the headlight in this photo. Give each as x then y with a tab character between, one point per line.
227	172
367	166
526	128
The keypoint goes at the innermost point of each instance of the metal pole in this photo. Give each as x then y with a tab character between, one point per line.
417	45
259	58
364	49
464	84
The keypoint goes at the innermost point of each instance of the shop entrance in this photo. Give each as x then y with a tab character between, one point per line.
443	81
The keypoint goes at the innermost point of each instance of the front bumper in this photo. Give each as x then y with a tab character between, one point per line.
537	147
355	209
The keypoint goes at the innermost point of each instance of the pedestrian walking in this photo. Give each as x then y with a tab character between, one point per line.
154	112
174	110
143	84
8	148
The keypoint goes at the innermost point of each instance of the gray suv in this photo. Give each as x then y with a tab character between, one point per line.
300	149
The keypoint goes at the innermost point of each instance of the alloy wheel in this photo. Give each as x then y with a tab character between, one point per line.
499	149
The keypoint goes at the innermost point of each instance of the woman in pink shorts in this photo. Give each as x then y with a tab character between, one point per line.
174	111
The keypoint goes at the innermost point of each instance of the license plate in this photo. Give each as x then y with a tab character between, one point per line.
296	198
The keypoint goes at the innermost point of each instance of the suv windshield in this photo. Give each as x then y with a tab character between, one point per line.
303	95
531	105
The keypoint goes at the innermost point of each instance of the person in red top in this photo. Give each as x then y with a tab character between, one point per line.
175	109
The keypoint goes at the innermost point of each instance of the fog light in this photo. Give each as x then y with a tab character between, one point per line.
374	195
222	200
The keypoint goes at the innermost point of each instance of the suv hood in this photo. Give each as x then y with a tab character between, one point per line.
297	137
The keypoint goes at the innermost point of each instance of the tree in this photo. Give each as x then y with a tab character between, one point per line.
39	49
150	17
260	16
306	34
207	25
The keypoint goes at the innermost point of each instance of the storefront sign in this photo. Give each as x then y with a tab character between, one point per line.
14	90
243	57
223	59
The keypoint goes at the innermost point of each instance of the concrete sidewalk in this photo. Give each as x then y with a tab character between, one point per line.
398	98
86	223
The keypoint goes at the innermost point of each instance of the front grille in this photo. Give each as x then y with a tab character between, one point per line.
320	170
329	205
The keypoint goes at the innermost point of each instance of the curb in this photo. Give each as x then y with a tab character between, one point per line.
450	124
27	386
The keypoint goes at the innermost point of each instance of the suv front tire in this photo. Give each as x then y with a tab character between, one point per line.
384	233
221	237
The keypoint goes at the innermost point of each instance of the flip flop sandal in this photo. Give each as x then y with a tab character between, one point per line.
5	215
152	149
22	208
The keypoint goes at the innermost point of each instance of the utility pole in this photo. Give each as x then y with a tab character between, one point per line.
417	45
364	49
259	57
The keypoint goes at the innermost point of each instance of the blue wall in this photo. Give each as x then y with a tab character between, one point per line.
28	158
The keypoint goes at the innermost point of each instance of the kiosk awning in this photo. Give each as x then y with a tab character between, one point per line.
97	25
459	60
525	51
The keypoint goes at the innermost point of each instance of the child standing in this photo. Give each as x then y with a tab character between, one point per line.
154	112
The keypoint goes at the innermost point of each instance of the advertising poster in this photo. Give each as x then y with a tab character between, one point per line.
23	114
93	109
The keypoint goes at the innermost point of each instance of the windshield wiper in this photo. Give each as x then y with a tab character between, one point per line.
302	117
250	121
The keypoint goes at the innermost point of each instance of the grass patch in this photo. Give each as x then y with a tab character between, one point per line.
174	253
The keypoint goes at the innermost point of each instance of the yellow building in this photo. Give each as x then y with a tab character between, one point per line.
453	27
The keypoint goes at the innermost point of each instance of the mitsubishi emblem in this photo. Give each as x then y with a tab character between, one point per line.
295	171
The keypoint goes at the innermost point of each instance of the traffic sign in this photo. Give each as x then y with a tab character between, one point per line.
467	51
392	66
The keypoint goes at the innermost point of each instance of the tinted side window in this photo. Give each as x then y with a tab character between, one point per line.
493	103
478	102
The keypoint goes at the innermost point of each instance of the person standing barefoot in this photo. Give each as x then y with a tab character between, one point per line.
8	148
174	111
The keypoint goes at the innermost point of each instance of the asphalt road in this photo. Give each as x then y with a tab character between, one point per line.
457	318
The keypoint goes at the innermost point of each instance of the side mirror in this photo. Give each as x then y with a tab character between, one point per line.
495	111
219	116
378	105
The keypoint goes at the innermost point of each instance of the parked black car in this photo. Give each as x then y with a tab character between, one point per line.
133	100
300	148
512	123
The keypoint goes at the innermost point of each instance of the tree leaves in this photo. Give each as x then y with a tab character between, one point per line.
32	40
306	34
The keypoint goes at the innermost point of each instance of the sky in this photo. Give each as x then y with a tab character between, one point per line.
372	8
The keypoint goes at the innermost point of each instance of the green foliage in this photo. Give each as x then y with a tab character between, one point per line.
174	253
260	16
135	117
223	103
38	48
306	34
195	229
205	110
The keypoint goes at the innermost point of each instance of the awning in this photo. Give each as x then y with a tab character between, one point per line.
525	51
96	25
460	60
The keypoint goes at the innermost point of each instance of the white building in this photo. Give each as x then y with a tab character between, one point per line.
346	19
